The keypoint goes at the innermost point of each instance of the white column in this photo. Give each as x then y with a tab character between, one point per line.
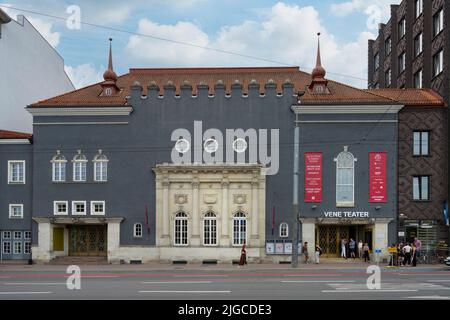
42	252
309	235
195	238
380	240
225	238
165	241
254	216
113	244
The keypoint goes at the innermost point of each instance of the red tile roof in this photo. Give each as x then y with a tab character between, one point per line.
411	97
339	93
4	134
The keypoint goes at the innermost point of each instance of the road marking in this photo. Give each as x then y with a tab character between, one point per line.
313	275
429	297
318	281
175	282
199	275
177	291
438	280
34	283
98	276
368	290
46	292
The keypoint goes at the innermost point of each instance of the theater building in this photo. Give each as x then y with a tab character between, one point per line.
191	163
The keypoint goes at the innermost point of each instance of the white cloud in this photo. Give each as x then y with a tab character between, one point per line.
83	75
279	37
45	29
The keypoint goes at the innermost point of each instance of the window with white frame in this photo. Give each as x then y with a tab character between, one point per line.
58	167
16	171
418	6
17	247
17	234
16	211
210	229
100	167
438	22
98	208
79	167
6	248
6	234
418	44
438	63
284	230
239	228
27	235
60	208
421	143
79	208
27	247
421	188
137	230
345	179
181	229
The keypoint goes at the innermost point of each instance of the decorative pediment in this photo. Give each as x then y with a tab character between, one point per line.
181	198
210	198
239	198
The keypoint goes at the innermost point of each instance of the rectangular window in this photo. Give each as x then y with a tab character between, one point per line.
6	234
376	61
401	29
418	8
16	172
16	211
101	171
17	247
388	46
401	63
438	63
17	234
388	78
418	78
27	247
60	208
418	45
59	171
438	22
79	208
420	188
6	248
79	171
98	208
27	235
421	142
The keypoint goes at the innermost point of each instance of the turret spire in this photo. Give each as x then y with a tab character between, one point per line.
318	82
109	74
319	71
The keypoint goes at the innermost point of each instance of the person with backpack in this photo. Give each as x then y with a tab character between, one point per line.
318	253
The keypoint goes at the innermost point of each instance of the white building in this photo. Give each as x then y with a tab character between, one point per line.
30	70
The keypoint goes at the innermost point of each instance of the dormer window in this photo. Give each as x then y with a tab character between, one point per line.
108	91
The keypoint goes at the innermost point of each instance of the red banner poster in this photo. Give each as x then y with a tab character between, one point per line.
313	176
377	176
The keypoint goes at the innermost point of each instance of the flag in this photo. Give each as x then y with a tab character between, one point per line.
146	219
273	219
446	213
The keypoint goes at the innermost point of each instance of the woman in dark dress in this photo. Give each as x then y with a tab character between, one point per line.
243	259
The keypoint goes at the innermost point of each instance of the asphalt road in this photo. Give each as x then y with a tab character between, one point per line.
224	283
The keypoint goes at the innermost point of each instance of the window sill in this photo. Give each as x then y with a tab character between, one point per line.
16	218
12	183
421	201
345	205
79	182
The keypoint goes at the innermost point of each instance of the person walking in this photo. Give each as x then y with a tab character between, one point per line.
318	253
243	259
352	247
366	250
414	255
343	248
407	250
418	245
305	252
360	249
401	254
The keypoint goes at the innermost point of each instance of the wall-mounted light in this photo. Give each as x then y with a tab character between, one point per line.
314	207
377	208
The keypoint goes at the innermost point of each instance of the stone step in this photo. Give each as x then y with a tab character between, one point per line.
69	260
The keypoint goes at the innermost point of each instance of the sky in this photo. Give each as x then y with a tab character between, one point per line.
273	33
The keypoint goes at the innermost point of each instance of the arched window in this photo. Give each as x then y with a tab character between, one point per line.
210	229
239	228
79	167
137	230
284	230
100	167
345	179
58	167
181	229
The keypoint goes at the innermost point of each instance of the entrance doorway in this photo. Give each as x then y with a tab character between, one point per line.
87	240
329	237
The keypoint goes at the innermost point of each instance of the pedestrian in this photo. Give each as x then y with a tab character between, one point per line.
243	259
305	252
401	254
418	245
366	250
360	249
407	250
414	255
318	253
352	247
343	248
